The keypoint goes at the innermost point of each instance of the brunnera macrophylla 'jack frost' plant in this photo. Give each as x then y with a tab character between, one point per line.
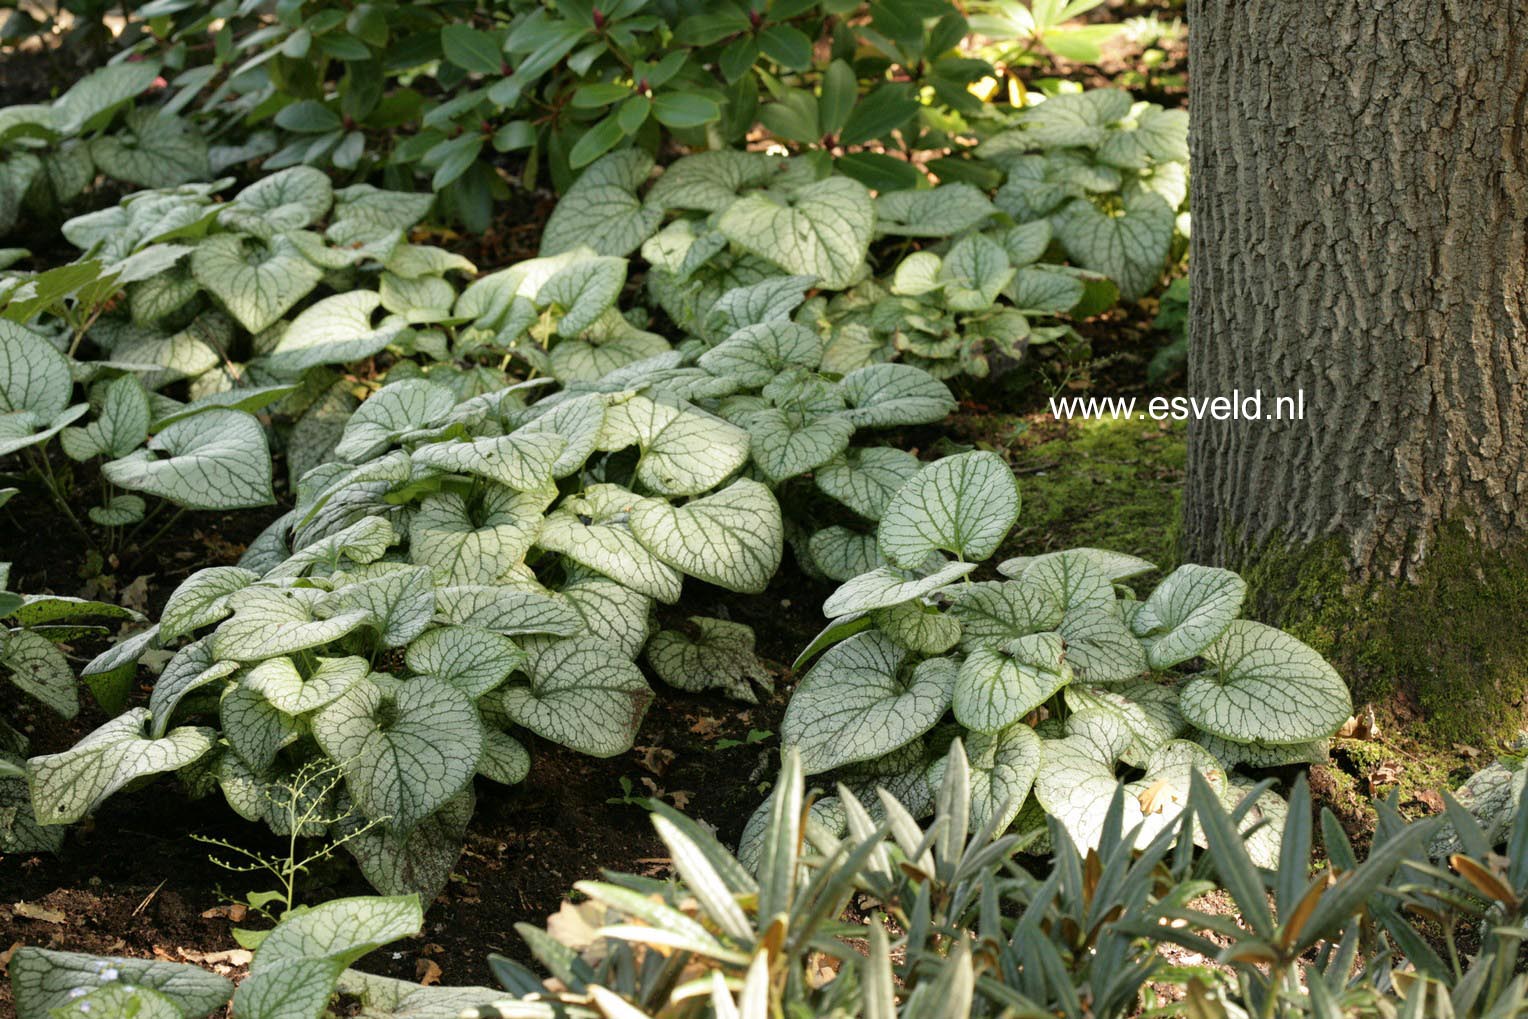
458	572
297	969
31	629
51	153
985	272
212	308
1060	682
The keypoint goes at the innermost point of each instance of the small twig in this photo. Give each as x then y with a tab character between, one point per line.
147	899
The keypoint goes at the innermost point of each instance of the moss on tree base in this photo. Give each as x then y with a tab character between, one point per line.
1456	640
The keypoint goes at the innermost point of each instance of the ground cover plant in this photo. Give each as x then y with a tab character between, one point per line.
433	437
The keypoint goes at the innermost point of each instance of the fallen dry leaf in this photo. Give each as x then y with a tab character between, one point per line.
1431	800
1388	773
35	912
136	595
655	759
5	956
706	726
680	798
233	958
427	972
234	911
574	926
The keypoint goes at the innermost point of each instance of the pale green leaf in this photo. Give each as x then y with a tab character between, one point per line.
405	749
822	230
39	668
1186	612
43	980
710	654
256	281
473	660
34	377
893	395
993	612
336	330
582	291
399	601
284	685
156	150
685	451
943	211
461	547
861	701
192	668
286	200
1263	685
582	695
391	413
866	479
591	529
711	181
889	585
418	861
1130	248
783	450
602	211
254	727
523	461
507	610
733	538
66	786
271	621
216	460
120	428
841	554
962	504
918	627
998	686
1003	768
755	354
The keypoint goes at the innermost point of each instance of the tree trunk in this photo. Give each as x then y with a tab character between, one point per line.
1360	199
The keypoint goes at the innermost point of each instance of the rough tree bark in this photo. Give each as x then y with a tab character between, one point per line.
1360	197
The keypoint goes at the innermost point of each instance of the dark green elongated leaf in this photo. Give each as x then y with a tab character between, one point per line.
1345	898
839	91
595	142
685	109
599	94
471	49
787	46
879	113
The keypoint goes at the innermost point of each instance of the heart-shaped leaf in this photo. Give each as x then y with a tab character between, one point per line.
998	686
217	460
1264	685
256	281
1186	612
962	504
582	695
68	785
715	654
859	703
822	230
733	538
405	750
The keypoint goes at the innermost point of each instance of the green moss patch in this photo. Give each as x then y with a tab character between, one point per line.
1454	643
1108	484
